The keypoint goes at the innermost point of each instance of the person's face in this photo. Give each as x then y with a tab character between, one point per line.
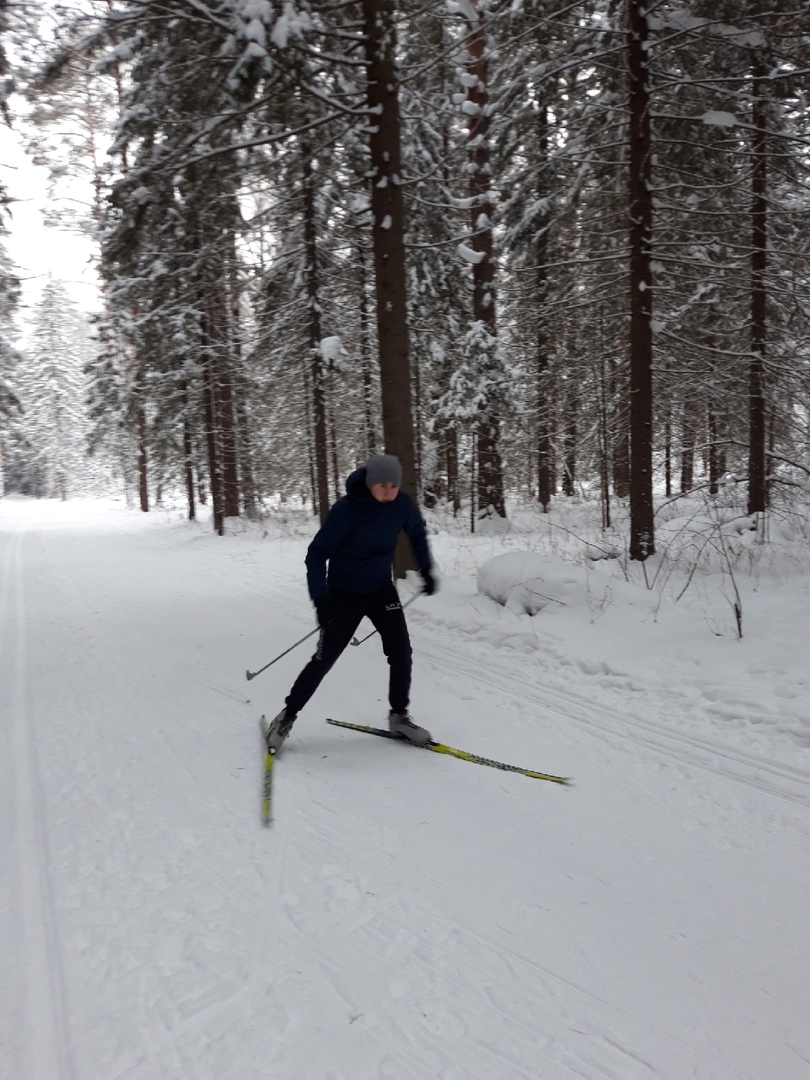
386	492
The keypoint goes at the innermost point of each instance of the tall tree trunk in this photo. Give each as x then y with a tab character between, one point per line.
188	469
620	456
668	449
316	365
365	353
418	454
451	453
642	526
143	484
227	427
333	446
214	468
310	427
714	456
604	441
490	468
757	495
222	392
687	444
188	454
570	438
541	284
771	449
215	343
388	239
244	435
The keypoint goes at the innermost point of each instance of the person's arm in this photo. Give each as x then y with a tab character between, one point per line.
417	535
324	544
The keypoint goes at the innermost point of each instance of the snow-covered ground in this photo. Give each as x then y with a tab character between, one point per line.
408	916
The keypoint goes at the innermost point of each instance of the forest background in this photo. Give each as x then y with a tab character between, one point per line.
537	249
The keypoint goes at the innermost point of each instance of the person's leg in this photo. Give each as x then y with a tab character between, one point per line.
332	640
384	610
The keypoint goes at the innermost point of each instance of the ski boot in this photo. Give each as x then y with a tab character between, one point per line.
279	730
401	724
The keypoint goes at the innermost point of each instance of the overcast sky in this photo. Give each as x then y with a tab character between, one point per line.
36	250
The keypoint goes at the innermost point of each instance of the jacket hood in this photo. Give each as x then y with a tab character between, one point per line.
356	486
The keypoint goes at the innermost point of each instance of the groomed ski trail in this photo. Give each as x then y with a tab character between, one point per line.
546	689
36	1043
402	920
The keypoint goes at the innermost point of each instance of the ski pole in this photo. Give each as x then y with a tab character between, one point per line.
408	603
252	674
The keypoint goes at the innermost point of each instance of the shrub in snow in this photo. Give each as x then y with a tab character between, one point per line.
490	524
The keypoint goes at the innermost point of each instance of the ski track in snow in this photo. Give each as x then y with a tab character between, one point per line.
408	917
535	696
793	783
38	1044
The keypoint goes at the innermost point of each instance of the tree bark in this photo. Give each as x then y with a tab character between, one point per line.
668	450
604	442
544	449
188	456
244	435
365	353
227	431
222	394
714	456
642	533
451	455
315	336
570	438
214	472
388	240
757	494
143	484
687	444
490	467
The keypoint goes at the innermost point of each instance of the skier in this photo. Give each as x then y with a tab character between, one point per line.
357	540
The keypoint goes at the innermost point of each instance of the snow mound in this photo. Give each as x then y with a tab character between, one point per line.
526	582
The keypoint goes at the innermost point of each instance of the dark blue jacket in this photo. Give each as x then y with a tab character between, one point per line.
358	539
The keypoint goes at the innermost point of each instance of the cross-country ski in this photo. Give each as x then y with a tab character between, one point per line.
441	748
268	760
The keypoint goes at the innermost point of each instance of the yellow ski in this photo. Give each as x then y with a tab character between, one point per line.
267	783
463	755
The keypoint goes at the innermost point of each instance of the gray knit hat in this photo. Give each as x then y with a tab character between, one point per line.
383	469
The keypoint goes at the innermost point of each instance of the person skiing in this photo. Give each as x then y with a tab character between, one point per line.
357	541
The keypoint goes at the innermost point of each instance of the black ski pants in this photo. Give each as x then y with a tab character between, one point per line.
383	608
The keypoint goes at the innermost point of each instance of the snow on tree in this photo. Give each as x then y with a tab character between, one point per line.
52	394
260	208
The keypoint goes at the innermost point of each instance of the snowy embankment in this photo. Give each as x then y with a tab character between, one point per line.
408	917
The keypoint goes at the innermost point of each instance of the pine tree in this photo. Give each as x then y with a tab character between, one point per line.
388	233
471	195
642	540
9	363
52	392
9	287
484	357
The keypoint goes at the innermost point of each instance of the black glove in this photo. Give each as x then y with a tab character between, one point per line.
429	587
323	609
